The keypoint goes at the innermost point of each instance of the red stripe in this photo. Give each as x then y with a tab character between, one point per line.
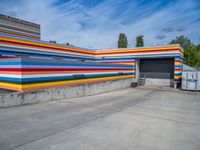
179	61
8	57
59	69
119	62
177	69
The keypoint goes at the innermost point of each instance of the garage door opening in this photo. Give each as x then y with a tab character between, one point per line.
160	71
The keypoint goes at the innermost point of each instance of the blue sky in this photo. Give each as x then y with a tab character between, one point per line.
97	23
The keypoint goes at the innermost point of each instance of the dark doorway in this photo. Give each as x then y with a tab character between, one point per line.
157	68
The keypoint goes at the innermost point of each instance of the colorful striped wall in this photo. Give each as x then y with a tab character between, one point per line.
19	28
178	66
57	65
33	48
25	74
62	65
41	49
148	52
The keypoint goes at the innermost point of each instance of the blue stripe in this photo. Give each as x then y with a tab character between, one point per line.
177	73
64	64
49	79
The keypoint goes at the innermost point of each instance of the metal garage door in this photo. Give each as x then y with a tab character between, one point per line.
157	68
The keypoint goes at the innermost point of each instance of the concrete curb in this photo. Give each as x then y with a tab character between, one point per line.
53	94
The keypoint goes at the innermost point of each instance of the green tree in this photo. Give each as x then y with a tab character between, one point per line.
198	47
191	51
139	41
67	44
183	41
122	41
53	41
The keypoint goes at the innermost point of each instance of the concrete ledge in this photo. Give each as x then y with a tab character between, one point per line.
31	97
161	82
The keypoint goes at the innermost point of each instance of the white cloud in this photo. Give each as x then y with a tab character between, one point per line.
98	26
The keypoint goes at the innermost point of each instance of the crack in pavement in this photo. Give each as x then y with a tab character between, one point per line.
163	118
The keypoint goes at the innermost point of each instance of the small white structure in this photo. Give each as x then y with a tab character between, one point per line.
190	79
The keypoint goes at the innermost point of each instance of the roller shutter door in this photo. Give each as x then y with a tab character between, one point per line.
158	68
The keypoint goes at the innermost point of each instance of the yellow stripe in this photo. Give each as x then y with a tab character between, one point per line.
178	63
27	87
71	81
11	86
177	77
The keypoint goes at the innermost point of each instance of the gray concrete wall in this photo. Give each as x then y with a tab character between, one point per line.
159	82
20	98
137	69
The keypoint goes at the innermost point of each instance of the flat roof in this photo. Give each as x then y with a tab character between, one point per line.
145	47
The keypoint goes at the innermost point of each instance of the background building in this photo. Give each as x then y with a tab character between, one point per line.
14	27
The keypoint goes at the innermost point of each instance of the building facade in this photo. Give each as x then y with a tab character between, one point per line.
28	63
18	28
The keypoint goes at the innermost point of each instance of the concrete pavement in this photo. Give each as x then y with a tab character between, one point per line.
141	119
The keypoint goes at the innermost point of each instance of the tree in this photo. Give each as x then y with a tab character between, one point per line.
53	41
198	47
191	51
67	44
183	41
139	41
122	41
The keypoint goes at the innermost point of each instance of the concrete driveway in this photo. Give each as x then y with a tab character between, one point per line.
130	119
